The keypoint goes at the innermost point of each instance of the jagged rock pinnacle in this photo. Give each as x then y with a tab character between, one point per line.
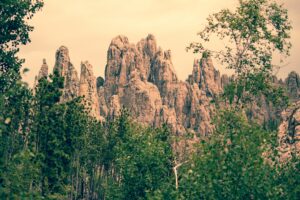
43	73
66	69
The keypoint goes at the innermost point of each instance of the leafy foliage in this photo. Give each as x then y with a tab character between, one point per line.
14	30
231	163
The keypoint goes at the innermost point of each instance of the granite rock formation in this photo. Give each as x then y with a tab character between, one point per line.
141	77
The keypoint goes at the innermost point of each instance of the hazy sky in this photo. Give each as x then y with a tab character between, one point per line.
86	27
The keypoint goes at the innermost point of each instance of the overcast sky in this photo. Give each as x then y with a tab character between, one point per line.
86	27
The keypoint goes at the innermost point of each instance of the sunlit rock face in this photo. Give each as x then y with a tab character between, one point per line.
66	69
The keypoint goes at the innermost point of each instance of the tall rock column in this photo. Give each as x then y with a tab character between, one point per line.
88	89
66	69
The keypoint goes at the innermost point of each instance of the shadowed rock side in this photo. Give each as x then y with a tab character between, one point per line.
141	78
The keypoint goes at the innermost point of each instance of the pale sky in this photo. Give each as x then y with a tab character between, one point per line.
86	27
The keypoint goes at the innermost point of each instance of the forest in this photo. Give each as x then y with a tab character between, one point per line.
51	149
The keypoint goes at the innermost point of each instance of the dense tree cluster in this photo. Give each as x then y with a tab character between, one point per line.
55	150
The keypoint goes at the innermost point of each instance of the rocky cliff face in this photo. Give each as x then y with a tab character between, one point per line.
141	77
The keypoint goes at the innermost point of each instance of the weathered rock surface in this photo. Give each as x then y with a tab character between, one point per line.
66	69
88	89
